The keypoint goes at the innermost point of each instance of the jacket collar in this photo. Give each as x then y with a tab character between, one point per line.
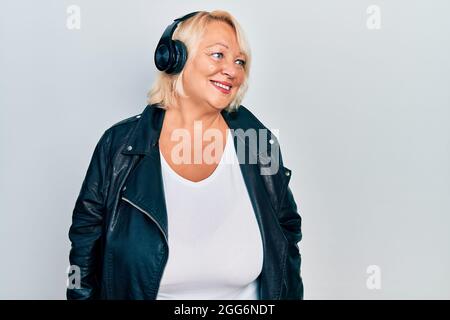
148	128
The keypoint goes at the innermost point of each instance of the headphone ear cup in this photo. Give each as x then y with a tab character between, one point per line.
180	57
162	57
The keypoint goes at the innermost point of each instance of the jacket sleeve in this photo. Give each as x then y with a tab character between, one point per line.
86	228
291	223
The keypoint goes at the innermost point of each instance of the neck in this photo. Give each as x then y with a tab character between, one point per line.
185	112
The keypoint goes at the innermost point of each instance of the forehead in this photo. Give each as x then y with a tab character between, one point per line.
219	32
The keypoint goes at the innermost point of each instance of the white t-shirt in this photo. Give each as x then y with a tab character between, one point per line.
215	245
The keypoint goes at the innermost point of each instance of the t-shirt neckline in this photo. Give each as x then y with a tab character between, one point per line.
209	178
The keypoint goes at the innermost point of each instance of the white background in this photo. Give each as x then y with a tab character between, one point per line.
363	118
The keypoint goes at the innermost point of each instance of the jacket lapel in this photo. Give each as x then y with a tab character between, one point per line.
144	186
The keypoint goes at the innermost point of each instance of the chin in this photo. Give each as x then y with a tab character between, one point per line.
219	105
219	102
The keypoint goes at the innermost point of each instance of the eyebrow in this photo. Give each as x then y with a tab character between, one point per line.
224	45
219	43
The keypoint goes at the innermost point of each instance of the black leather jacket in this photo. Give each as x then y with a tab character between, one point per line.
119	224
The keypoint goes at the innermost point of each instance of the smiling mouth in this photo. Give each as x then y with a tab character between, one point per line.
221	87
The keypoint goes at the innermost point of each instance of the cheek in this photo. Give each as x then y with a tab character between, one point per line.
204	66
211	68
239	82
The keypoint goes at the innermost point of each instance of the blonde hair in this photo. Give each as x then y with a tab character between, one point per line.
166	87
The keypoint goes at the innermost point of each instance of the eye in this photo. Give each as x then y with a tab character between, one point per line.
242	62
217	53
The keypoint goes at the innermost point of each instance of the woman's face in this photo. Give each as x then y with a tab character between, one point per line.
213	76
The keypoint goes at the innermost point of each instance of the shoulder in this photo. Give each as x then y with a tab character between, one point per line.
125	122
123	126
117	134
245	119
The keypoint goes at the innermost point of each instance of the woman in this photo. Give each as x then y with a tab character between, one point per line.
165	214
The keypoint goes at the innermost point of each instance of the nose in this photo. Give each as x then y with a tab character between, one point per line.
229	69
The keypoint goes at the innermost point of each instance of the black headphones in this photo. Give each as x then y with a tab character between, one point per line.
171	55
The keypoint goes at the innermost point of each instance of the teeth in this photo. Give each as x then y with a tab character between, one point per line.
222	85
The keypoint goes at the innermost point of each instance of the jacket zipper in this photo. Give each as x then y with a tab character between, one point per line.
148	215
165	238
